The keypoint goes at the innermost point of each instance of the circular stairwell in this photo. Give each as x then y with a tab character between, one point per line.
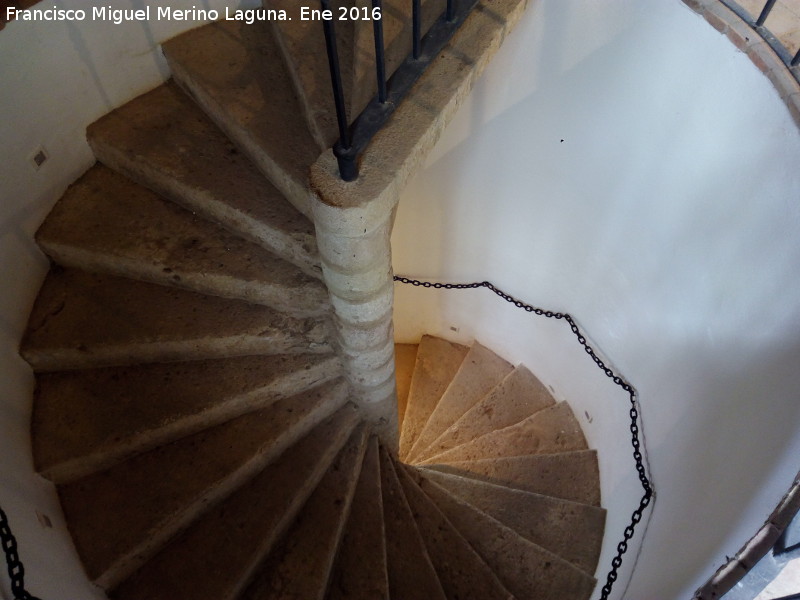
192	413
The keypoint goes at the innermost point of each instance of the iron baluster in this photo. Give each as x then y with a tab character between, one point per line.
355	136
380	51
416	28
765	12
343	149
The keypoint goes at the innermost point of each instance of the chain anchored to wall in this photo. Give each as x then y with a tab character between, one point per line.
647	486
16	570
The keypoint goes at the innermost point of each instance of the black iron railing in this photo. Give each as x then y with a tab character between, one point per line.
759	25
354	137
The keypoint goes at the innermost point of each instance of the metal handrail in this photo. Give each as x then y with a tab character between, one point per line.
759	27
354	137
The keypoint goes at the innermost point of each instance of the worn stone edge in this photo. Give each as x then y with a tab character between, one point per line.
729	574
785	79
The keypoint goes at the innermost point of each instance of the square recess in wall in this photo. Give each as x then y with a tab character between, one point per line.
38	158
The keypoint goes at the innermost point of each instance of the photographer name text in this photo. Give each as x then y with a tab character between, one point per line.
118	16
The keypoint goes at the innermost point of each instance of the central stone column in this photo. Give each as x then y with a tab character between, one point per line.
354	246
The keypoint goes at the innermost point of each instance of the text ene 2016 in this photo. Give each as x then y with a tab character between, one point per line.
353	13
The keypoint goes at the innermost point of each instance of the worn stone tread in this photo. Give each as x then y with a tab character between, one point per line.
107	223
554	429
236	73
516	398
83	320
479	372
436	365
218	554
360	568
570	530
88	420
411	574
526	570
156	494
569	475
164	141
298	569
462	572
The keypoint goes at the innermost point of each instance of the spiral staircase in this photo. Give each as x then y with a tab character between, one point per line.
191	405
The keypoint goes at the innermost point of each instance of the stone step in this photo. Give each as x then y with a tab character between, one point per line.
237	75
405	355
461	570
437	363
107	223
306	57
554	429
360	569
89	420
569	475
480	372
219	553
164	141
82	320
299	568
526	570
516	398
411	573
571	530
121	517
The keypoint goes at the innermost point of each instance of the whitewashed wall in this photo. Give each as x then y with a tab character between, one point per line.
56	78
666	221
622	161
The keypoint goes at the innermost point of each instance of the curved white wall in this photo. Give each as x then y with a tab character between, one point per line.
622	161
57	77
666	222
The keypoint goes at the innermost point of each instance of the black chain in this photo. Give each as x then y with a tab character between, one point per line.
647	486
16	571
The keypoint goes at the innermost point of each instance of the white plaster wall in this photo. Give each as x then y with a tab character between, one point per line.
56	79
622	161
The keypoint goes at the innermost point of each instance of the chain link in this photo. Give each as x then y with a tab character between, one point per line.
647	485
16	570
